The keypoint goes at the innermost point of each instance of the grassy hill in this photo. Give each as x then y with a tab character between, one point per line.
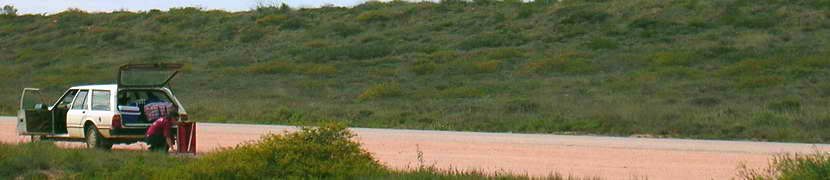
722	69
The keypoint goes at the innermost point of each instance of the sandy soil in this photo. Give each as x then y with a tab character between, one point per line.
536	155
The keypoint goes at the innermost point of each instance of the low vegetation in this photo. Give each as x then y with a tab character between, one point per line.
711	69
327	152
792	167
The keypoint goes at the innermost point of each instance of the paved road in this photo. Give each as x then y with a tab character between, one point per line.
536	155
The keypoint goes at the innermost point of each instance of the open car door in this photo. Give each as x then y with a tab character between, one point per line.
33	117
147	75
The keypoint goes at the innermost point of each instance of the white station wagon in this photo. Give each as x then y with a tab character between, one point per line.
100	115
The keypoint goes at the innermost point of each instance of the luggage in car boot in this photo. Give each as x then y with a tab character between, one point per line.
130	114
154	111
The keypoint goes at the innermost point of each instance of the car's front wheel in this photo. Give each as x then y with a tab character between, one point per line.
95	140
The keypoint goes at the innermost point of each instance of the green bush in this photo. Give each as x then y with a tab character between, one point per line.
276	67
338	28
676	58
327	152
748	67
44	159
374	16
382	90
490	66
491	39
759	81
521	106
785	106
317	44
424	68
602	43
350	51
679	72
317	69
272	67
815	62
272	20
574	15
503	53
791	167
461	92
561	65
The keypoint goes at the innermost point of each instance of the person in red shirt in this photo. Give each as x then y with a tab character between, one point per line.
158	136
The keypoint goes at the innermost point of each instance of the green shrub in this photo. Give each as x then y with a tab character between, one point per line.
561	65
350	51
705	101
72	19
748	67
490	66
272	67
759	81
785	106
338	28
579	15
168	18
251	35
276	67
461	92
679	72
327	152
445	55
791	167
676	58
491	39
374	16
504	53
752	20
317	44
823	4
815	62
293	23
602	43
521	106
382	90
272	20
424	68
317	69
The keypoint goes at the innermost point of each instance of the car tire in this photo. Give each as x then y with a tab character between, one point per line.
95	140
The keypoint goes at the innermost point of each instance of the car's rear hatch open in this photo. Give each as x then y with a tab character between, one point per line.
147	75
141	81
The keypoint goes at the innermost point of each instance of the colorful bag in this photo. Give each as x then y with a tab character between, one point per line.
154	111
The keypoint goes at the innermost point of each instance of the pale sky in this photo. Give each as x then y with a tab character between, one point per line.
54	6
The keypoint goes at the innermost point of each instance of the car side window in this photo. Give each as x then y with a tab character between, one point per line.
100	100
80	101
67	98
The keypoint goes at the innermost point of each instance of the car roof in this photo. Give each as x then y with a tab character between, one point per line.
112	87
97	86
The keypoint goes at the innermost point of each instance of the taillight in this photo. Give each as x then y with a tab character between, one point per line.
182	117
116	121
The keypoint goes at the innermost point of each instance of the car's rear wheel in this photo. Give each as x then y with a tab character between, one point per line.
95	140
